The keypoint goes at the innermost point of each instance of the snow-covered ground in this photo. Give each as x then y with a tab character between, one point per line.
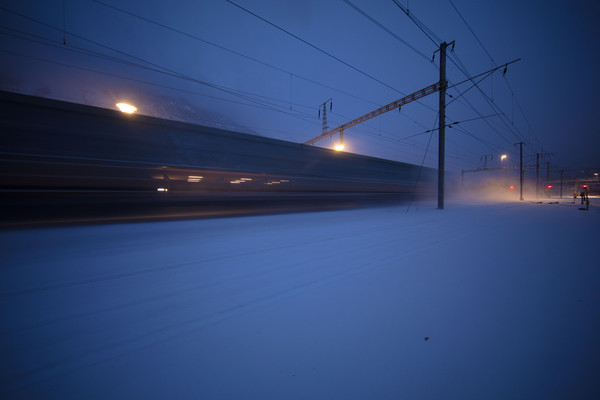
479	301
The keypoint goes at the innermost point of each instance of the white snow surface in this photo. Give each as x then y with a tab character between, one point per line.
328	305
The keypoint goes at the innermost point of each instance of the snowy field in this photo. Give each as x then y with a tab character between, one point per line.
480	301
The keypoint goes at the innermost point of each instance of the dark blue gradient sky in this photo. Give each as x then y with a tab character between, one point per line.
212	62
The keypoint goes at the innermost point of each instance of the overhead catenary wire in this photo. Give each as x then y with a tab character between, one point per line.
244	95
354	122
428	32
436	40
451	123
470	78
422	26
73	48
226	49
246	56
387	30
413	192
165	70
514	97
460	65
175	74
321	50
453	57
154	67
415	50
307	117
326	53
456	61
313	46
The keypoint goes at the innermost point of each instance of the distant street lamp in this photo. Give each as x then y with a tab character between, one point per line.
126	108
502	157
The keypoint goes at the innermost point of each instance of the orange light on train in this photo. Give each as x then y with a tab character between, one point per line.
126	108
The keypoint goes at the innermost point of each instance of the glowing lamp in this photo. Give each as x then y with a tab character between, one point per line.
194	178
126	108
549	187
339	147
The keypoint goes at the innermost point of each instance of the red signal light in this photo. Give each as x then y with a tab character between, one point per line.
549	187
584	186
511	187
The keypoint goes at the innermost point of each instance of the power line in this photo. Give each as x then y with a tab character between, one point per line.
460	65
157	69
325	52
493	62
257	105
398	38
166	70
428	32
436	40
470	79
314	47
451	124
237	53
79	50
471	87
456	61
72	48
471	30
249	57
311	120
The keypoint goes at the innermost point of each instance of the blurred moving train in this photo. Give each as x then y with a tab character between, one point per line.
61	156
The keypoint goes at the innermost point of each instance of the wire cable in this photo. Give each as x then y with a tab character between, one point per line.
455	60
315	47
428	32
398	38
246	56
494	62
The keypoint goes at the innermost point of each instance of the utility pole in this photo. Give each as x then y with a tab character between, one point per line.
485	157
323	106
442	126
537	171
521	167
561	182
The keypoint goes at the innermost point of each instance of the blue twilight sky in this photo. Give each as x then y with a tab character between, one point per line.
224	63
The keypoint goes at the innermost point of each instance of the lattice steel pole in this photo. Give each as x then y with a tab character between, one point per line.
442	126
